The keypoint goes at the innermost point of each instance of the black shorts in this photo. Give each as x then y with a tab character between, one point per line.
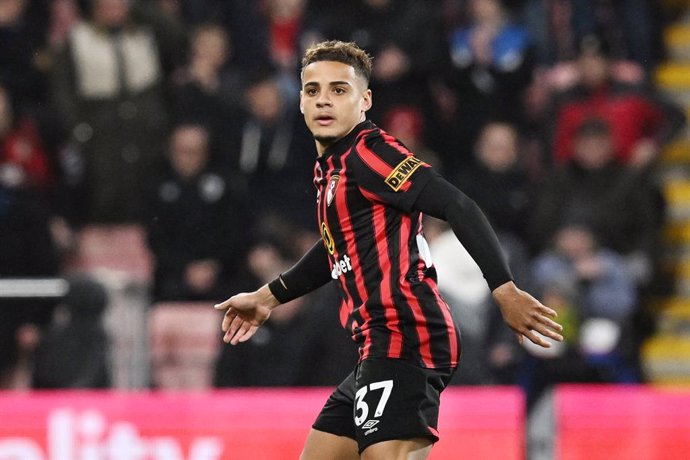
385	399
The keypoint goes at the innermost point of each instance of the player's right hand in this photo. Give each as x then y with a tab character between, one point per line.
244	313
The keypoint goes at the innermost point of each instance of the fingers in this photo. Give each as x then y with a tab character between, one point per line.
240	331
537	339
545	325
227	319
540	328
550	324
537	334
248	335
234	324
549	328
544	310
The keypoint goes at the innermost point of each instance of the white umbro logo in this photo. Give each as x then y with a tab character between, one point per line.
369	424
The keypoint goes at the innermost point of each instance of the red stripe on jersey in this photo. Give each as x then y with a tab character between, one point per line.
450	324
393	142
392	319
372	160
345	310
346	228
420	320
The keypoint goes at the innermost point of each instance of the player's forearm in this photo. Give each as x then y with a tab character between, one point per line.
475	233
307	275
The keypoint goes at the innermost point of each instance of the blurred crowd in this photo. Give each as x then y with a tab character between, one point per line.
181	117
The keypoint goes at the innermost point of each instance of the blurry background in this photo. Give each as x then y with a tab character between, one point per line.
153	161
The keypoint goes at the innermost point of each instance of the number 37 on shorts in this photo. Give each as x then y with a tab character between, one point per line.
375	395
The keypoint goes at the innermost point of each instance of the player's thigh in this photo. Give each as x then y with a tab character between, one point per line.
399	449
321	445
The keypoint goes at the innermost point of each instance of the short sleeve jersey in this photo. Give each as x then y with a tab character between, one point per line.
367	184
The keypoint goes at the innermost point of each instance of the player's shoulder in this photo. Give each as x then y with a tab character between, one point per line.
376	141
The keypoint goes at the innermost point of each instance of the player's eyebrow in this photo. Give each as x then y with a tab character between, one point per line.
333	83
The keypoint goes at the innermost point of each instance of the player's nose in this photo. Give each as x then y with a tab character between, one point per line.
323	100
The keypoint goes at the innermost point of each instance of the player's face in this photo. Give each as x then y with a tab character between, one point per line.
333	99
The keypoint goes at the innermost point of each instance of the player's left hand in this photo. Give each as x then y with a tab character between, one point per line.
526	315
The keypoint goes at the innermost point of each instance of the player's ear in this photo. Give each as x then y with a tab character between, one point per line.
301	106
366	100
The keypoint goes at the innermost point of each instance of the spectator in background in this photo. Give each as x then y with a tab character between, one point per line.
499	182
603	286
617	202
27	251
272	151
629	25
23	159
284	22
76	330
209	89
596	297
640	122
491	66
108	90
164	18
195	223
23	58
25	163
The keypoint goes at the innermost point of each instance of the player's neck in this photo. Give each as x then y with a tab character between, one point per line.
322	144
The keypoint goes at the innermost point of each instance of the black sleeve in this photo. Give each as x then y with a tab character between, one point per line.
442	200
309	274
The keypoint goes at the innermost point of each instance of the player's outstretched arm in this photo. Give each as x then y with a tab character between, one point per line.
245	312
523	313
526	315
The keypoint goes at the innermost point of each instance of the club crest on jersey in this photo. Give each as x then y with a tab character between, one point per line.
402	172
330	190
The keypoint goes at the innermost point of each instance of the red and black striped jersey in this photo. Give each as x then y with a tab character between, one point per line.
367	184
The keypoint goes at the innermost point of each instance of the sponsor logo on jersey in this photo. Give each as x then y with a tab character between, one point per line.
330	190
402	172
340	267
327	238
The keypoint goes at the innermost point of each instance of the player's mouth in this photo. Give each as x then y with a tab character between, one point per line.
325	120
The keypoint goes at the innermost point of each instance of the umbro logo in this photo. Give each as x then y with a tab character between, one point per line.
369	424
